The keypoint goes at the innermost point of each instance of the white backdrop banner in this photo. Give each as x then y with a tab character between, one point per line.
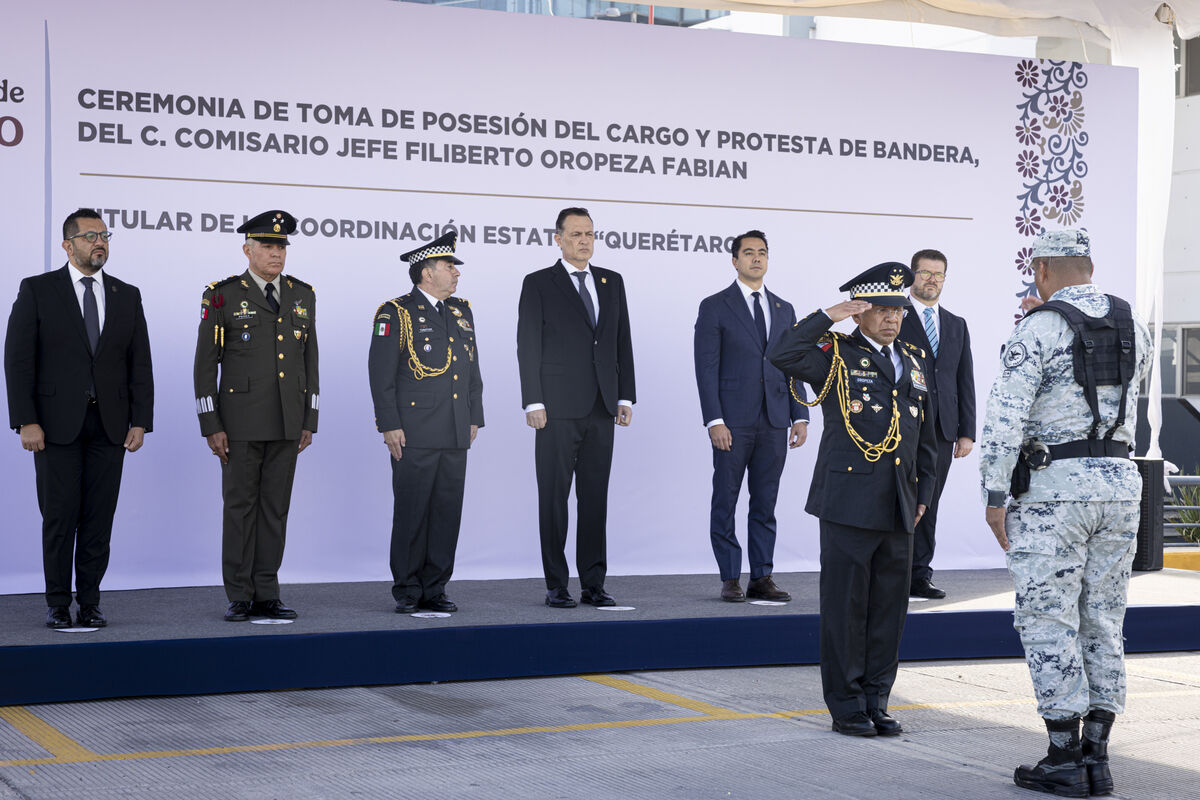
382	124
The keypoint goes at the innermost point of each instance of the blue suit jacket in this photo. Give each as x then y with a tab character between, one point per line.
732	371
952	389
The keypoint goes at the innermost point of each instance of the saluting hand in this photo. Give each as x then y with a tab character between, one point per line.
847	308
395	442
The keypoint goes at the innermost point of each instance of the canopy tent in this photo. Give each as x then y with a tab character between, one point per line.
1136	32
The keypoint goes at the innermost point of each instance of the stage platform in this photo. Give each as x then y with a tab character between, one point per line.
174	641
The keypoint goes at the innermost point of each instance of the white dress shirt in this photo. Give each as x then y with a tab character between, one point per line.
97	289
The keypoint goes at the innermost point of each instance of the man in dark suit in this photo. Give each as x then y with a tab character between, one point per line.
261	328
428	395
747	408
80	393
575	355
872	482
947	344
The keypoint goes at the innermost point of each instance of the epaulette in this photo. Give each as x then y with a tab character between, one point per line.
230	279
466	303
402	298
294	279
914	348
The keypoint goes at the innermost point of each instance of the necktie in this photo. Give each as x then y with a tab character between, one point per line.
760	319
887	353
931	331
441	309
271	301
91	314
586	296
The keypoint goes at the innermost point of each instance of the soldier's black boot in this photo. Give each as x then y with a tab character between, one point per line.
1096	727
1062	771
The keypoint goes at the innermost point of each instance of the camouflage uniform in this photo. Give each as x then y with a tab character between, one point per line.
1072	535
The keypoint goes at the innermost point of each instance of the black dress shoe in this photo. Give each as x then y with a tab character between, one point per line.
58	617
731	591
238	611
406	606
440	603
923	587
559	598
856	724
884	724
597	597
90	617
272	609
765	589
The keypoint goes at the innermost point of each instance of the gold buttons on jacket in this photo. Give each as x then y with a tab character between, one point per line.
849	469
897	462
281	356
456	395
281	374
455	377
893	392
280	337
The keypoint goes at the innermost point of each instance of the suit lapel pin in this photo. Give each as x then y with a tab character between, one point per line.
604	280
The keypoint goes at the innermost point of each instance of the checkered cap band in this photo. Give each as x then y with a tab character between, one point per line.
876	289
433	251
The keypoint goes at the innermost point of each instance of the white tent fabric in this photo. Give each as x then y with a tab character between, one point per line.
1138	34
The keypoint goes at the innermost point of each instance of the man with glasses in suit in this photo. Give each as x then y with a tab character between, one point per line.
947	344
80	394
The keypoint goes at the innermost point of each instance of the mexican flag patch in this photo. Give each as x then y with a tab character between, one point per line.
382	329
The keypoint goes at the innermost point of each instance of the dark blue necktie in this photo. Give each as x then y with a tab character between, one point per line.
586	296
271	301
760	319
91	314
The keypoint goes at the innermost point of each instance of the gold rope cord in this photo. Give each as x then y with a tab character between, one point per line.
419	369
838	374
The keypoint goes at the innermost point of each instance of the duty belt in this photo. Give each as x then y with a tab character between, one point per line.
1089	448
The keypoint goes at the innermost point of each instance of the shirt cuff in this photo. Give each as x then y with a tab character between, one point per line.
717	421
626	403
796	421
535	407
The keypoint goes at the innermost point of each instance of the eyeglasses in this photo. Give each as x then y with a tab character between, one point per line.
926	275
91	236
888	311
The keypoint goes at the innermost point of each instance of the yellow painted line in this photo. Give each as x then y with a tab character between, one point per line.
81	754
419	737
1187	559
658	694
45	735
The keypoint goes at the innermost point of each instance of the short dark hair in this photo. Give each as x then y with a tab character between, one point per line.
737	242
932	255
1076	265
415	270
573	211
71	224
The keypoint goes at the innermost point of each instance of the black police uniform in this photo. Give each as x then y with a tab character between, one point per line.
425	380
266	395
866	505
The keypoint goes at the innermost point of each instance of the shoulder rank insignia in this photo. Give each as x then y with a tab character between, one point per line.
293	279
223	281
912	347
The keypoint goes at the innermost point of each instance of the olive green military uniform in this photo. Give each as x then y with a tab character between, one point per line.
266	395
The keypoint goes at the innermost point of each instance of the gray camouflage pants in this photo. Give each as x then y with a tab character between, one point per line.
1070	564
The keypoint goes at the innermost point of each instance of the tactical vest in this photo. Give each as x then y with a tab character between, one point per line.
1102	353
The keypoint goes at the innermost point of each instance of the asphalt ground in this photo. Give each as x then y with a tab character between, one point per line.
759	733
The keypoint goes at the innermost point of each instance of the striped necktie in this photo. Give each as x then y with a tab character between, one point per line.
931	331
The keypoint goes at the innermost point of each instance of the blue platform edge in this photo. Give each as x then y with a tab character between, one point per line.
50	673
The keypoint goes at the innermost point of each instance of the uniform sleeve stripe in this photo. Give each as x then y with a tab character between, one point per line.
316	402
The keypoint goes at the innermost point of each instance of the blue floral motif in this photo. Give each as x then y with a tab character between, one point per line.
1050	159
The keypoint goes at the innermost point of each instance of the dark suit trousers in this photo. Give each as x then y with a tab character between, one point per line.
923	539
864	601
581	448
761	450
77	486
427	488
257	487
